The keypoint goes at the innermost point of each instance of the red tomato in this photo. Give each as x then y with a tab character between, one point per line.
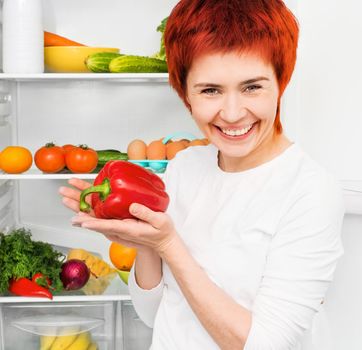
50	158
67	148
81	159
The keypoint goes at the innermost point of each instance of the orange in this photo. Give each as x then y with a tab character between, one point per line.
122	257
15	159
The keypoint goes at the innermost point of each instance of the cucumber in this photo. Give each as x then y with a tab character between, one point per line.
137	64
110	154
99	62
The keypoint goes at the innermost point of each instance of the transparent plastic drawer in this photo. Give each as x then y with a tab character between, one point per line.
56	326
75	325
136	335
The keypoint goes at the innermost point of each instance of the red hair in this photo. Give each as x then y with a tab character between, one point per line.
265	27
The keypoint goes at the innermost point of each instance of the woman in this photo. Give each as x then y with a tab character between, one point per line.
245	253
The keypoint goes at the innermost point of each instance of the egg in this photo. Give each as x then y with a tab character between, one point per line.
156	150
136	150
197	142
173	148
185	142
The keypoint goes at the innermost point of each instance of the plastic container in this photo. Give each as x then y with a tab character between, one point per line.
23	37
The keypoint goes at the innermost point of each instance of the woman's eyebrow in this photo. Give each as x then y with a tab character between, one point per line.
245	82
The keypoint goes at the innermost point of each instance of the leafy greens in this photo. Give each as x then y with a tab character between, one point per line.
20	256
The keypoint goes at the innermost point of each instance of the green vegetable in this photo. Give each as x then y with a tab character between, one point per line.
99	62
110	154
20	256
137	64
162	53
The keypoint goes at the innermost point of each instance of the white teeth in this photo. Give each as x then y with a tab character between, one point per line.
237	132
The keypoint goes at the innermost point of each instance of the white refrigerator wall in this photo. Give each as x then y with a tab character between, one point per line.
322	113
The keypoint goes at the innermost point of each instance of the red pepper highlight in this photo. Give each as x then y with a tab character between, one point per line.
118	185
27	288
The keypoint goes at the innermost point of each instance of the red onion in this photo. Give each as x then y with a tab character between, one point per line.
75	274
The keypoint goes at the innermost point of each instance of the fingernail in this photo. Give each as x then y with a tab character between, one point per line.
134	209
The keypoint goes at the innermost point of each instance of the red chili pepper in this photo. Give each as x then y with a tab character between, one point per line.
42	280
27	288
121	183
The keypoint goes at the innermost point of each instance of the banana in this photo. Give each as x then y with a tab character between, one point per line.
62	342
93	346
46	341
81	343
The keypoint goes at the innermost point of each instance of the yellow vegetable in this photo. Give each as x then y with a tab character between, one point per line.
97	266
81	343
46	342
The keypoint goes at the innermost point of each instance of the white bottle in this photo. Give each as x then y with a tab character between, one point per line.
23	36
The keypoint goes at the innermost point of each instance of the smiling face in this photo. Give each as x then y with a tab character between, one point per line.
234	100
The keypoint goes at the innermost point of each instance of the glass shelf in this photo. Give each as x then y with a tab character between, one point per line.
34	174
116	77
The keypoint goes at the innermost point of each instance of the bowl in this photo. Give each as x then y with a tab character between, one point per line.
123	275
70	59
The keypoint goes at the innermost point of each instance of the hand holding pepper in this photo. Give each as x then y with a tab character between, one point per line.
152	229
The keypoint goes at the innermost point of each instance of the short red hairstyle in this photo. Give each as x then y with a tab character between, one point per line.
265	27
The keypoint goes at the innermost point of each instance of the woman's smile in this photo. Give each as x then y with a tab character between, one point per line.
236	133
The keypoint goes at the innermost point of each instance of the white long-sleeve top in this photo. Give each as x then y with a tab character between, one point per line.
268	236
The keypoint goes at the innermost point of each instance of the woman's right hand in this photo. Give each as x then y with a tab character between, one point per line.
71	195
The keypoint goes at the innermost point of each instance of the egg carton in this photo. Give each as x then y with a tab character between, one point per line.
159	166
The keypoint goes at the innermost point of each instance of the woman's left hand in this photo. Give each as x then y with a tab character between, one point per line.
151	229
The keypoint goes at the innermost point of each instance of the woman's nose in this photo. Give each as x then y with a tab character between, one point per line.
233	109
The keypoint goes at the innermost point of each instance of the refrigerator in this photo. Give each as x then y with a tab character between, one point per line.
320	111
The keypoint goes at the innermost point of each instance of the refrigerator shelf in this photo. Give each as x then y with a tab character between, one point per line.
117	77
34	174
37	175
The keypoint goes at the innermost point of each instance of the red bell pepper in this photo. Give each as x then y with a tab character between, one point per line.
27	288
42	280
118	185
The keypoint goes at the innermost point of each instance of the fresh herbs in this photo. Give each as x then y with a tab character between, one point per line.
20	256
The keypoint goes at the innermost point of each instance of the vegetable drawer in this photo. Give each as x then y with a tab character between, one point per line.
76	325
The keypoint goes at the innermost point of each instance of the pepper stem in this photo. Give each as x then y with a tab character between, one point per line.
104	189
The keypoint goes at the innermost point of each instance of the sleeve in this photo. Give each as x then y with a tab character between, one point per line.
299	268
145	302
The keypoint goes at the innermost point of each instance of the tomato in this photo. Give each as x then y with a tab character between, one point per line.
50	158
81	159
15	159
122	257
67	148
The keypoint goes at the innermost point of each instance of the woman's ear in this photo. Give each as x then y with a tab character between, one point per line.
187	103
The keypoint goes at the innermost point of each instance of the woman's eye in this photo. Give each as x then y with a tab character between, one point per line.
210	91
252	88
